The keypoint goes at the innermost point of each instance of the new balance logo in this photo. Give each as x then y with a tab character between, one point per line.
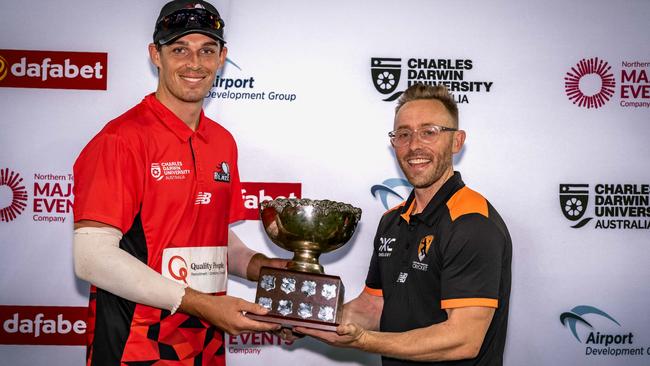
203	198
386	248
402	277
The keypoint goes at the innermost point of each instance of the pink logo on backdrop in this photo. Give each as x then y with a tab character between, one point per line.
17	200
590	83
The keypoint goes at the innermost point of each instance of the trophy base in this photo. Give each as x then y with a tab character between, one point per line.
304	299
287	322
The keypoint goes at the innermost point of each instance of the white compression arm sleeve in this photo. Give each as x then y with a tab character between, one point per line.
99	260
239	255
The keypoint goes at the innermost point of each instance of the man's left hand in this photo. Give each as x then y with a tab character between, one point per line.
258	261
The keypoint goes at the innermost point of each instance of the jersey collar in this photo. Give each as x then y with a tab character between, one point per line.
428	215
175	124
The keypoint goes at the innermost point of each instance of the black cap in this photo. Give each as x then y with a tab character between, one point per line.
181	17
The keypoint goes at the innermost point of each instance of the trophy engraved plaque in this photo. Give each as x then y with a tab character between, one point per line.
302	295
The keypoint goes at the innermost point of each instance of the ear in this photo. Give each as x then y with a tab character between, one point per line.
154	55
459	141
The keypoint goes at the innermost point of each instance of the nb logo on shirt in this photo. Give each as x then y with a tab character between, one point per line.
402	277
203	198
386	248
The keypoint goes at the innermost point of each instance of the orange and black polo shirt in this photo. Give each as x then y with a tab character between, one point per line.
455	253
172	192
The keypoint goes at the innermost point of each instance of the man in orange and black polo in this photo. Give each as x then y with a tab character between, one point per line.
438	286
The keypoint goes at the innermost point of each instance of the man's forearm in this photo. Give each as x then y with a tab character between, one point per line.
459	337
424	344
364	310
99	260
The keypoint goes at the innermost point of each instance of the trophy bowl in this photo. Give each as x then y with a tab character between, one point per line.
308	228
301	294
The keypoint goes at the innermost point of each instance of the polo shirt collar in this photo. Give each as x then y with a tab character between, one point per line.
175	124
428	215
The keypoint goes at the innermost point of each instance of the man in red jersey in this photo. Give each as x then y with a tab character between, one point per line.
155	192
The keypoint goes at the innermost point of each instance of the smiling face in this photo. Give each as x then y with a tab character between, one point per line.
187	68
427	164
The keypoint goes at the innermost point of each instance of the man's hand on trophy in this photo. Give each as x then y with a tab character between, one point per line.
258	261
225	312
349	335
288	335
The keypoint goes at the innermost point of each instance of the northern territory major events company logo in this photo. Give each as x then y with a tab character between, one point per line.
592	82
601	333
51	196
455	74
615	206
254	343
233	83
53	69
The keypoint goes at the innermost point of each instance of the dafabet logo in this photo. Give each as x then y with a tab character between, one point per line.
53	69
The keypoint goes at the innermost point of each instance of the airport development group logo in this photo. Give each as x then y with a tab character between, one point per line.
233	83
391	192
386	73
601	333
591	83
616	206
53	69
13	195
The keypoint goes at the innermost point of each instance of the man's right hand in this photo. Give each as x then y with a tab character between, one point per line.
225	312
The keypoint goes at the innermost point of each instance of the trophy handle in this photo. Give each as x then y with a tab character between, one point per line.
305	260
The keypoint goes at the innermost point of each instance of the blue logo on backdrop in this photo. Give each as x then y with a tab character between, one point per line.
387	189
234	84
607	339
573	317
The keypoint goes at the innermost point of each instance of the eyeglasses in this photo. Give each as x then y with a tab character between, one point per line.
402	136
191	18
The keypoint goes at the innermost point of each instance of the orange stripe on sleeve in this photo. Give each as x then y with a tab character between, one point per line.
373	291
475	301
466	201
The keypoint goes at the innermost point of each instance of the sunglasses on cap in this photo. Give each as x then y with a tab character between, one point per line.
185	20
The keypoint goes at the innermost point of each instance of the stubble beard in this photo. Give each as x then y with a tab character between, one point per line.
441	164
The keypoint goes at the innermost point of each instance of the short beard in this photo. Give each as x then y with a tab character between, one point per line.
429	178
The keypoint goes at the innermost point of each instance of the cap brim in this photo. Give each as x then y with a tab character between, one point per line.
180	33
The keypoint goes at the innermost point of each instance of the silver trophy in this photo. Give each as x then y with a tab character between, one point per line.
302	294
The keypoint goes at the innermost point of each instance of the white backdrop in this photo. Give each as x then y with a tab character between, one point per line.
525	138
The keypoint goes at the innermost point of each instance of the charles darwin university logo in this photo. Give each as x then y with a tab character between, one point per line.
385	75
454	74
615	206
573	200
13	195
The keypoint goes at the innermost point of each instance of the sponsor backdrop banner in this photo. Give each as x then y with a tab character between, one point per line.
554	96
